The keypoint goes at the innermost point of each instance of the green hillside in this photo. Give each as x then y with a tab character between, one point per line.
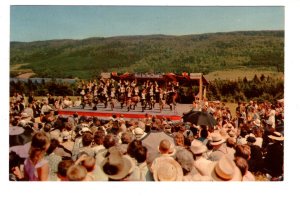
154	53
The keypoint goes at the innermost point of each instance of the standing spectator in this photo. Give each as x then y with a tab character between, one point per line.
274	156
53	159
36	167
220	148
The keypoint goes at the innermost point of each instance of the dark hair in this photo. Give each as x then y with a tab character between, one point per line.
141	154
243	151
194	130
204	133
39	141
53	144
99	137
109	141
14	160
47	127
58	124
87	139
132	147
209	145
251	139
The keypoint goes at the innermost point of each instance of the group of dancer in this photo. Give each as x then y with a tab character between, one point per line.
128	93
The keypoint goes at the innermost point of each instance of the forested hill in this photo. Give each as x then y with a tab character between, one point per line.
153	53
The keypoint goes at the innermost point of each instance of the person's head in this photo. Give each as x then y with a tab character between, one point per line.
179	139
242	164
76	173
47	127
204	133
243	151
89	163
231	142
185	159
99	137
132	147
141	154
14	161
126	137
62	169
39	145
164	146
87	139
110	140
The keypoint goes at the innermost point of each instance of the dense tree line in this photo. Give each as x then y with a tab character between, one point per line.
42	88
259	88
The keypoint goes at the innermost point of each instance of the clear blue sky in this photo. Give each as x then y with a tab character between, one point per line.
32	23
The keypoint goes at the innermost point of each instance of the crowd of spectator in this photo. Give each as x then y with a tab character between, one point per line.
240	147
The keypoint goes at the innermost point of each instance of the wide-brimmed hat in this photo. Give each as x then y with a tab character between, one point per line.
84	129
232	133
139	133
167	169
198	147
276	136
117	166
24	115
256	122
217	139
226	170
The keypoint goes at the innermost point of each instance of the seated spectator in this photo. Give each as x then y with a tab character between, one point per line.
116	166
76	173
62	169
242	164
167	169
225	170
190	173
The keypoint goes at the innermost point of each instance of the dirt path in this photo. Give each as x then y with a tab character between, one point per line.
26	75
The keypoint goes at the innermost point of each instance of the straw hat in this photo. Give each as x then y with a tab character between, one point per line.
226	170
276	136
198	147
167	169
139	133
84	129
217	139
117	166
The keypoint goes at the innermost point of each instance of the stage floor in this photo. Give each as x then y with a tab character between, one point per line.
106	113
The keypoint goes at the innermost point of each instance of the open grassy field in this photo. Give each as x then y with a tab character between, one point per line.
242	72
17	71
